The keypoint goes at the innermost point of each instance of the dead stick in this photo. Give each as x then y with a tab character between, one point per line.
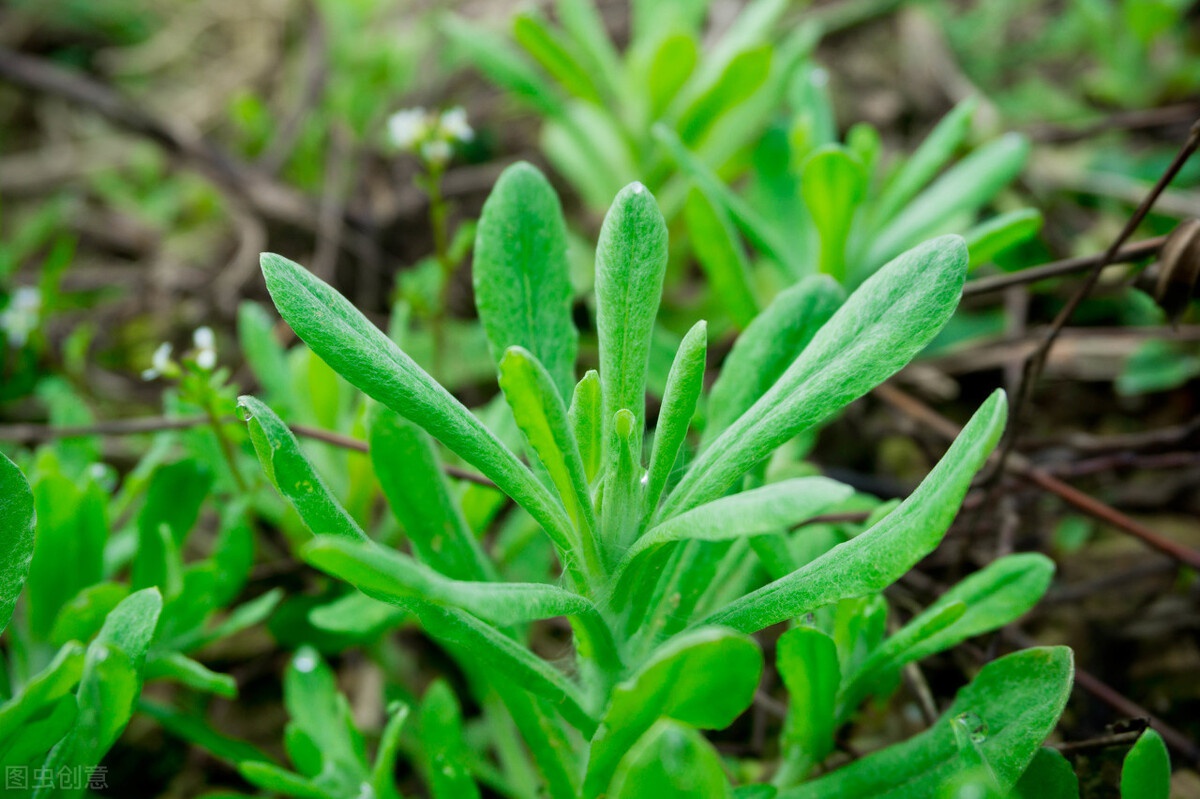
1037	361
1068	266
913	407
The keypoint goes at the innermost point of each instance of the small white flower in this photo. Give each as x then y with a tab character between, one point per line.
304	663
437	151
206	348
160	362
20	318
407	127
454	124
204	339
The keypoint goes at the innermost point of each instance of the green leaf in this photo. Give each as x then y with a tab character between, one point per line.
586	423
631	259
884	663
808	665
1146	772
964	188
358	615
322	720
670	761
38	698
765	349
504	657
363	355
84	615
242	617
704	678
16	536
719	251
988	239
522	280
542	418
71	530
685	381
833	183
991	598
1049	776
264	354
876	558
270	777
765	236
441	734
740	78
886	322
110	683
934	152
180	668
394	577
195	729
670	67
384	769
410	474
582	21
1014	702
556	56
503	64
755	512
173	500
292	474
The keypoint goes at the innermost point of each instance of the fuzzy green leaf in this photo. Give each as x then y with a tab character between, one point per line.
1014	702
685	381
671	761
542	418
720	253
886	322
38	697
755	512
440	724
704	678
1049	776
522	280
964	188
1146	772
833	183
808	665
16	536
631	259
740	78
988	239
410	474
875	559
293	476
989	599
362	354
495	651
934	152
585	417
395	577
110	684
765	349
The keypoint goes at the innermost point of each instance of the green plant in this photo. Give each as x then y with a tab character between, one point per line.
654	576
599	105
814	204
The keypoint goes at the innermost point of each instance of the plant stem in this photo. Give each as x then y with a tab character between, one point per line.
439	212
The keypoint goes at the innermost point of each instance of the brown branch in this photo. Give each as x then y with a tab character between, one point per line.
1068	266
910	406
35	433
1037	361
